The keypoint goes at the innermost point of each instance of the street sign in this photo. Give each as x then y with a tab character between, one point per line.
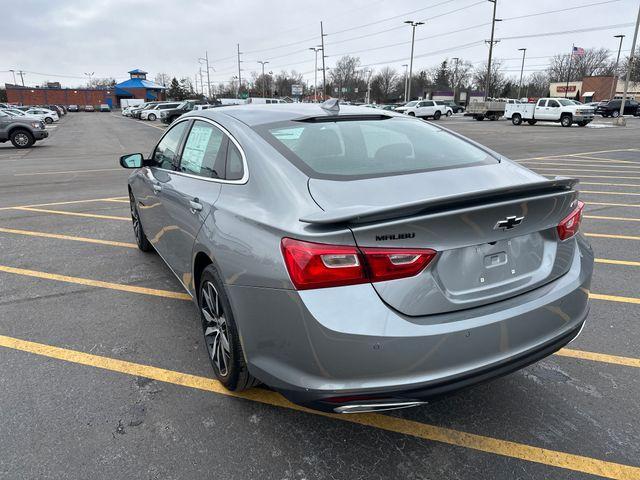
244	95
296	90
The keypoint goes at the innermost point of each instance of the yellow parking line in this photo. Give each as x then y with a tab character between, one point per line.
607	184
608	193
67	237
615	237
550	172
96	283
109	199
585	169
627	263
600	357
619	219
65	171
614	298
607	165
614	160
577	161
614	204
411	428
126	200
73	214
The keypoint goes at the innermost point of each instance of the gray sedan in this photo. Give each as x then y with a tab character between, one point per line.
357	259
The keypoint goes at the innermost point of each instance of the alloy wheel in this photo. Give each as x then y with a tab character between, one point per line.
135	218
22	139
216	331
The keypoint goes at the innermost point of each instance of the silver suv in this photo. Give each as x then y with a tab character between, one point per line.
22	132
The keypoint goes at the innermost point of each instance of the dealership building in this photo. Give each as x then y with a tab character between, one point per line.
594	89
137	86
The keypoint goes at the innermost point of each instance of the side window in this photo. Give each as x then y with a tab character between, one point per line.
553	104
541	102
235	167
429	104
203	151
166	152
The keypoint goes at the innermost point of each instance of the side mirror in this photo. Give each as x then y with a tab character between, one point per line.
133	160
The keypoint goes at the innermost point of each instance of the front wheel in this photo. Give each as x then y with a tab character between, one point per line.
22	139
411	114
437	115
615	114
566	121
48	120
479	117
141	238
449	113
532	122
516	119
151	117
221	334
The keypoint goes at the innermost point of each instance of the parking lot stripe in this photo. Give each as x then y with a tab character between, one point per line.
73	214
70	202
613	204
614	298
585	169
609	261
550	172
615	237
67	237
65	171
402	426
572	165
599	357
96	283
595	192
619	219
579	154
577	160
614	160
611	184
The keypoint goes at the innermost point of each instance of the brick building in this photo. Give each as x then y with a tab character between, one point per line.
594	89
136	87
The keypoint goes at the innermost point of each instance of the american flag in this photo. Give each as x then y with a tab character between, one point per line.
577	51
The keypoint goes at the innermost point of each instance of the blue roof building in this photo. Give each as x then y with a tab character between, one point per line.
139	87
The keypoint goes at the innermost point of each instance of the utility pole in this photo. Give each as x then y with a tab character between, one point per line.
21	73
206	60
455	77
263	80
413	37
491	43
615	70
524	52
620	120
370	72
87	74
315	73
324	70
239	70
14	76
406	79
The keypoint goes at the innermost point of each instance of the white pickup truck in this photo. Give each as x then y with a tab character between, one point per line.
562	110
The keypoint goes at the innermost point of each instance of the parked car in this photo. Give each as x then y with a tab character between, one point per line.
89	108
73	108
56	108
260	100
154	112
427	109
456	108
136	111
49	116
168	115
21	131
559	110
104	107
406	106
367	262
612	108
389	106
448	111
14	112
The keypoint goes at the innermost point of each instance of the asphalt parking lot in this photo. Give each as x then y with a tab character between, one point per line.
104	374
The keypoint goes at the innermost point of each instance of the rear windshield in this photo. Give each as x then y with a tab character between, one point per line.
350	149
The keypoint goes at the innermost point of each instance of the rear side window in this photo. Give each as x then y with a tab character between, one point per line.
351	149
235	167
202	150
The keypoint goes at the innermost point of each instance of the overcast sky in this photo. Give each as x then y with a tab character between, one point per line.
63	39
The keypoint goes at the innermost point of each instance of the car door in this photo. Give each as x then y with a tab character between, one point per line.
552	111
149	182
192	190
541	112
428	108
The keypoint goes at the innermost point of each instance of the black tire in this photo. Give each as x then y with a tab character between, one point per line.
21	138
411	114
516	119
437	115
449	113
583	124
566	121
479	117
152	117
615	113
532	122
141	238
48	120
218	323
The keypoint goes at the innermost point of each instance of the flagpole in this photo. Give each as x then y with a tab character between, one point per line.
566	88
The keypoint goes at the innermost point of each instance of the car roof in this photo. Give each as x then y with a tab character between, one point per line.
253	114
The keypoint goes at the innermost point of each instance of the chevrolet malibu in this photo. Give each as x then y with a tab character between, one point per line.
357	259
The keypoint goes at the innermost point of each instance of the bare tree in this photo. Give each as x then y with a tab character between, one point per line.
595	61
346	75
536	85
383	83
497	80
162	79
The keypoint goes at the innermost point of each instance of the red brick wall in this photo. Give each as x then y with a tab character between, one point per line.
600	85
57	96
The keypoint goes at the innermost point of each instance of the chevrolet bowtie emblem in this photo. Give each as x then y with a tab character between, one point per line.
508	223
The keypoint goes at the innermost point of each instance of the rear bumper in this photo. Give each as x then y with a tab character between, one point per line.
318	344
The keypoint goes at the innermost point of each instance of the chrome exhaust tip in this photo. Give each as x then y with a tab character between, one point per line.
376	407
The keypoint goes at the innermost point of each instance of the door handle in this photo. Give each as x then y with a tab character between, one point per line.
157	187
195	206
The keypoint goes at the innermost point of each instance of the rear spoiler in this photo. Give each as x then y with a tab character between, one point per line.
366	213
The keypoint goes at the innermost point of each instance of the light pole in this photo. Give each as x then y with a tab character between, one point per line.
239	70
315	72
14	76
455	75
524	52
615	70
324	70
491	43
263	81
413	37
620	120
206	60
406	78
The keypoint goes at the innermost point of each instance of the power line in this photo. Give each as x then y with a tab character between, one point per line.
560	10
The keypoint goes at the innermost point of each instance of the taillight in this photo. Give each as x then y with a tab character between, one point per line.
317	265
568	227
